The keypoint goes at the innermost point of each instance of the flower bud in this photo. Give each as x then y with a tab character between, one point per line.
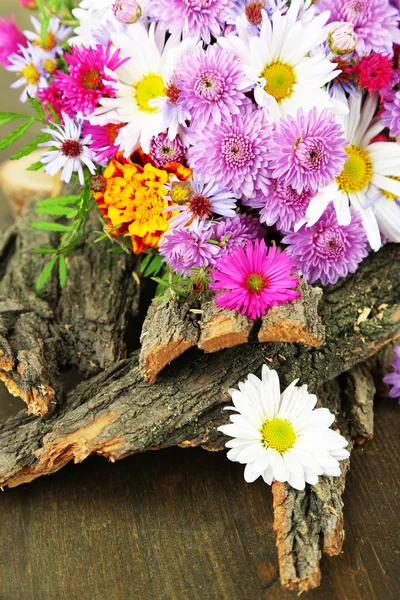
98	184
28	3
342	39
126	11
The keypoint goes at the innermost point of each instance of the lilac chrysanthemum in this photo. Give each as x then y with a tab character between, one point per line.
307	151
393	378
235	232
103	140
327	250
186	249
375	22
235	154
164	151
391	115
210	83
282	205
191	18
254	278
89	77
204	199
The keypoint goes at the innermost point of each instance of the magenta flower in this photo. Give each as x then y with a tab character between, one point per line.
254	278
307	151
393	378
327	250
103	139
375	22
192	18
210	83
235	232
164	151
282	206
89	79
235	154
53	96
11	38
185	249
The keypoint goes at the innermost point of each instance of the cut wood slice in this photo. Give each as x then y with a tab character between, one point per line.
221	328
21	186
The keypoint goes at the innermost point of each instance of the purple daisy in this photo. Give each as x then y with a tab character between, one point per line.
192	18
307	151
89	79
103	140
375	22
164	151
253	279
210	83
235	154
327	250
393	378
391	115
235	232
186	249
282	205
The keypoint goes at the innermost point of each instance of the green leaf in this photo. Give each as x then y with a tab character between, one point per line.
36	166
50	226
29	148
59	201
44	27
145	262
37	106
16	134
6	117
154	267
43	250
62	271
57	211
45	275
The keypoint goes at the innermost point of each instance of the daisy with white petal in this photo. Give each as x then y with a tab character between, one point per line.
90	14
281	436
29	64
70	153
370	180
141	81
56	33
278	61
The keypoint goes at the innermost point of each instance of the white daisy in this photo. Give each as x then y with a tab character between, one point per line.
91	14
71	151
370	177
141	80
278	64
280	436
56	33
30	65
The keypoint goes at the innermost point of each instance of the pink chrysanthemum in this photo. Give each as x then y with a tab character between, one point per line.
210	83
393	378
163	150
11	38
235	154
235	232
282	205
254	278
375	22
307	151
187	249
374	72
89	79
102	140
391	115
53	95
327	250
192	18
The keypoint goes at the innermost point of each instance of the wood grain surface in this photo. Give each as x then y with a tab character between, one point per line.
182	524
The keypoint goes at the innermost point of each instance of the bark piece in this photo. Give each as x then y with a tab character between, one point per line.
295	322
221	328
358	396
170	328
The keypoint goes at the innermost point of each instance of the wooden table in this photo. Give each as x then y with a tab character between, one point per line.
183	524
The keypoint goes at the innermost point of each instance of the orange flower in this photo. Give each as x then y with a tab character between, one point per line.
134	199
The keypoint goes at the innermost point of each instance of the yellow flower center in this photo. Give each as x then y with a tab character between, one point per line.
181	192
278	434
280	79
357	171
150	87
31	74
389	195
49	43
50	65
256	282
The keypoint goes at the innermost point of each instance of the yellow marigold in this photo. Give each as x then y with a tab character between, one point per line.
133	200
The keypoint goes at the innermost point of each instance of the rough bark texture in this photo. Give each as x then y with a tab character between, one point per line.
117	413
82	327
359	392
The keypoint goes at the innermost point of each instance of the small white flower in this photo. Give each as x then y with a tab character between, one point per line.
71	151
56	33
30	66
280	436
